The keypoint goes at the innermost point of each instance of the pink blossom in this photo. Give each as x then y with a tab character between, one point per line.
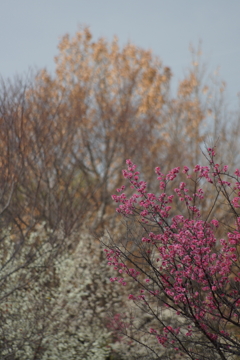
191	269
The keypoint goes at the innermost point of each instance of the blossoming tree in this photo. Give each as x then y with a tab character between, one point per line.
186	266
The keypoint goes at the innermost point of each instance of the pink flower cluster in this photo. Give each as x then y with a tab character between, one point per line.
193	270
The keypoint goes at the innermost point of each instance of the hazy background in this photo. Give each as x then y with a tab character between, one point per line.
30	31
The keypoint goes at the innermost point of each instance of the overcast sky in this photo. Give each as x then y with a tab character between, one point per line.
30	31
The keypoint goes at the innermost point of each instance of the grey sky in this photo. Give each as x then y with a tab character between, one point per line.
30	31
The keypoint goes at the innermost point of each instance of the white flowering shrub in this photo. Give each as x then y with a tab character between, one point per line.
57	301
87	308
80	305
26	270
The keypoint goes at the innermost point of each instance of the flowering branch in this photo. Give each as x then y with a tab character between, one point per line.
180	264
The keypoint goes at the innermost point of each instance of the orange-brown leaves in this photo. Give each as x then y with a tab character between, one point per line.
105	103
